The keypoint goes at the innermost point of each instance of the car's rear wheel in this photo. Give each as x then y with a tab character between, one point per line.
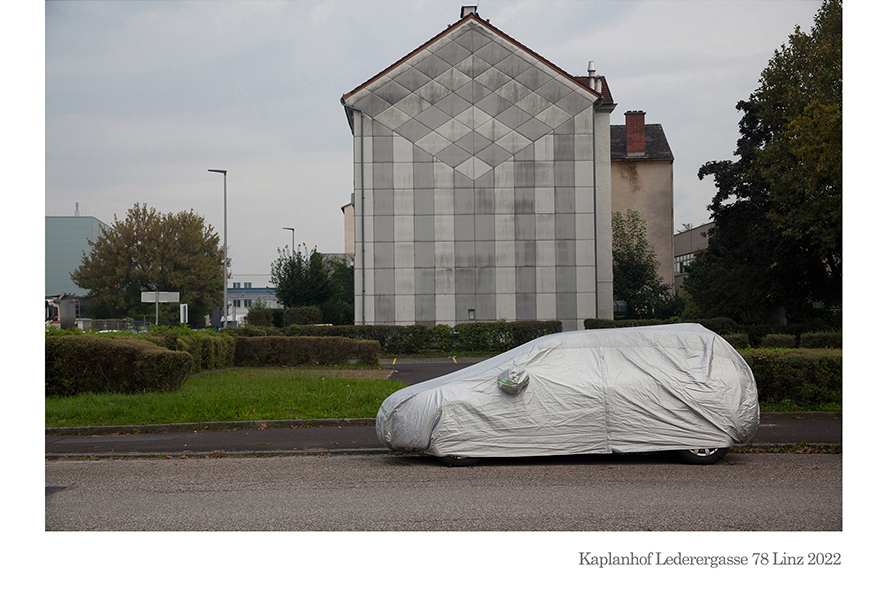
702	456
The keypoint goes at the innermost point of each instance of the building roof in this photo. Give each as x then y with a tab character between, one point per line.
586	81
657	147
582	81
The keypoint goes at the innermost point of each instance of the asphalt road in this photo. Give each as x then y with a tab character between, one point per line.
745	492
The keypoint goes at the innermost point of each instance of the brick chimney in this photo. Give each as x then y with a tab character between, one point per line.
635	126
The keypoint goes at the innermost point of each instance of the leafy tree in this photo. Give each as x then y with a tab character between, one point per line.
305	279
777	241
150	251
301	278
339	308
635	278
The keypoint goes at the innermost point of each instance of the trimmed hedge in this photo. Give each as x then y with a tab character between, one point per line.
821	340
209	350
80	363
804	376
270	351
757	336
284	317
718	325
485	337
737	341
779	341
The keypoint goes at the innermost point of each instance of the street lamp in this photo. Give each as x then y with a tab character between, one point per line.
292	229
225	277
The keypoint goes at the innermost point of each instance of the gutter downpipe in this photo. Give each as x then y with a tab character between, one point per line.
596	209
362	216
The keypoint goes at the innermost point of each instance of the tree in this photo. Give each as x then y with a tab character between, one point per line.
635	278
301	278
777	240
339	308
304	279
150	251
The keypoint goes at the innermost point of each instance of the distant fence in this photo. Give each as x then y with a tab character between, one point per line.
115	325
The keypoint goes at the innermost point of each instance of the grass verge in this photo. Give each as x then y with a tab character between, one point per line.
257	394
236	394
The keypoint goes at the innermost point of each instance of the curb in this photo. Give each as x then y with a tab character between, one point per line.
214	454
317	452
319	423
196	426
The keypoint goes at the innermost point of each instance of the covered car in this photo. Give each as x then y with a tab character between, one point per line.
677	387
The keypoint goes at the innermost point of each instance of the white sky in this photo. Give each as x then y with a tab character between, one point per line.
143	97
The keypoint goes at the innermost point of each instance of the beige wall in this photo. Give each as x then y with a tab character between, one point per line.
647	186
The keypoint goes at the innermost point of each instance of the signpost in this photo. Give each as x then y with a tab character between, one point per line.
158	297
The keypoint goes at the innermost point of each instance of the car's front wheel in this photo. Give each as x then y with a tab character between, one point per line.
702	456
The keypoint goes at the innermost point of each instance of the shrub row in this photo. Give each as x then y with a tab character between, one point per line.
162	359
209	350
742	336
81	363
271	351
485	337
741	340
718	325
284	317
803	376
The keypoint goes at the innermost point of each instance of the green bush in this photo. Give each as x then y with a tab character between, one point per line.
756	333
259	317
210	350
471	336
271	351
83	363
737	340
720	325
302	316
803	376
595	324
250	331
821	340
441	337
501	335
779	341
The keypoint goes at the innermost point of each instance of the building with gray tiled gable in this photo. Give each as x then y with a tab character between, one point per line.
482	186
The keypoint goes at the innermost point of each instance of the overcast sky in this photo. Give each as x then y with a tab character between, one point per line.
143	97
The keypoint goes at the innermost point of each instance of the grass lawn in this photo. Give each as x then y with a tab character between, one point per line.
257	394
235	394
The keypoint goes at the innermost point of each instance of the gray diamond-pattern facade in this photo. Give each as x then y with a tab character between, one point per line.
476	191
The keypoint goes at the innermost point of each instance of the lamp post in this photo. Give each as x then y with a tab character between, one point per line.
292	229
225	277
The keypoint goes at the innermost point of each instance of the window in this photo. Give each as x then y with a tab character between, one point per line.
681	261
247	285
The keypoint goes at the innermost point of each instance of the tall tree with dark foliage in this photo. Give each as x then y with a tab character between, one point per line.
777	242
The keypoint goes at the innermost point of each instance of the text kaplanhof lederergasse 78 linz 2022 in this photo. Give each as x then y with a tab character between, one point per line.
653	558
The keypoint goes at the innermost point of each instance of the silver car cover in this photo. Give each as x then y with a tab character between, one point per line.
668	387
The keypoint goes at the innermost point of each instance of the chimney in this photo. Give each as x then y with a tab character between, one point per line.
594	80
635	129
466	10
